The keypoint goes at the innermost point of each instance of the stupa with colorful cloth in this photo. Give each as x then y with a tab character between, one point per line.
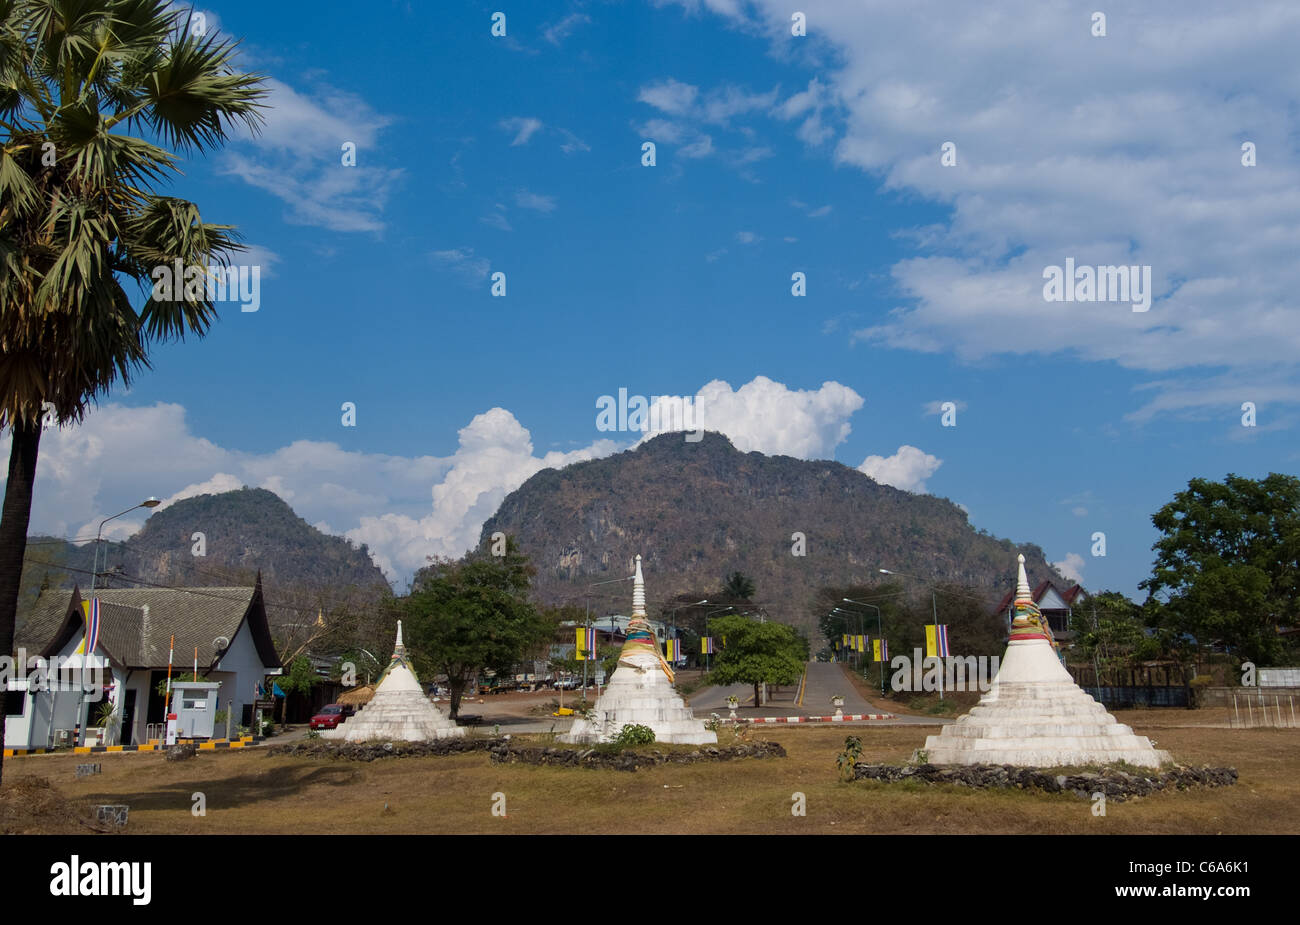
1034	714
641	691
399	711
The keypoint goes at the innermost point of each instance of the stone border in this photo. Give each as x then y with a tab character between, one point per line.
369	751
1116	784
503	753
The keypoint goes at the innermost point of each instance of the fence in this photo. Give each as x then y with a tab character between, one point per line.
1146	686
1255	708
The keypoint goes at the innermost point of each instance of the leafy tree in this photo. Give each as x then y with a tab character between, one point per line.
1111	631
473	615
299	679
757	653
79	215
1227	566
738	586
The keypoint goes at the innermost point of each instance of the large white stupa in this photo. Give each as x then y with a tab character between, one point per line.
1033	714
641	690
399	711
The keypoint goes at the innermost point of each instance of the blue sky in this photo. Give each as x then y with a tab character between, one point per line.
775	154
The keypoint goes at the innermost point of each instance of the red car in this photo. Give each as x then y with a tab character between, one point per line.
330	716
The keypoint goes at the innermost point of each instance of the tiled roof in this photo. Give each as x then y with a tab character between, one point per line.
136	638
1042	588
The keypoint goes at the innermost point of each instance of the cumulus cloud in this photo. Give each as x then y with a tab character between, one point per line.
1137	137
769	417
1071	567
406	508
906	469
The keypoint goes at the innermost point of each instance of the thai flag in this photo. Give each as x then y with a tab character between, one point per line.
942	639
92	626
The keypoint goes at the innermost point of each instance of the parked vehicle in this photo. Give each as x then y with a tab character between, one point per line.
331	715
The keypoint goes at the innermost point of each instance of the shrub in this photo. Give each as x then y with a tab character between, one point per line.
631	735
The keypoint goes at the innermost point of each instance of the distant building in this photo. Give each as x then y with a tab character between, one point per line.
1055	606
228	625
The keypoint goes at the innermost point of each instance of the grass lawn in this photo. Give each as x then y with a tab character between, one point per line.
254	792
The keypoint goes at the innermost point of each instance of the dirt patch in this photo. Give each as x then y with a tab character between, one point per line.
32	805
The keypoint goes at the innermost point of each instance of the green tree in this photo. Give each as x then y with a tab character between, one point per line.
473	615
80	218
1112	632
1227	565
738	586
757	653
299	679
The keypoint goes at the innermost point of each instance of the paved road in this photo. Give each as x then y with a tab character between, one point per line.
823	680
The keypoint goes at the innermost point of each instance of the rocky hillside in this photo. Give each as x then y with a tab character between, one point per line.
699	511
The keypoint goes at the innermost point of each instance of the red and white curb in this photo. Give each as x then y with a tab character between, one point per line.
846	718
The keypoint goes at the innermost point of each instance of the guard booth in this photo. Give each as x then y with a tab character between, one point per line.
195	706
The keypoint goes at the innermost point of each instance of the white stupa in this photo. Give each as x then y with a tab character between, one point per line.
399	711
641	690
1033	714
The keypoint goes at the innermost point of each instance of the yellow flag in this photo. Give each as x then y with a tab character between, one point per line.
931	642
581	642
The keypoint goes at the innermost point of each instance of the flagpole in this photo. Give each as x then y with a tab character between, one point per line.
937	649
167	695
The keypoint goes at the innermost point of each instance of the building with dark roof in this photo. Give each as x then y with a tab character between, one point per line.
227	626
1054	604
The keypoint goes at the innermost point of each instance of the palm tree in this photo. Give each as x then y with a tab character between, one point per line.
86	88
738	586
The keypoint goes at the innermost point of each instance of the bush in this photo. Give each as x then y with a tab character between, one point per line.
633	735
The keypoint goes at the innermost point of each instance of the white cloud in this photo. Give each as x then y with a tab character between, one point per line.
747	237
461	261
297	157
1071	567
557	32
906	469
405	507
526	200
670	96
523	127
769	417
1136	137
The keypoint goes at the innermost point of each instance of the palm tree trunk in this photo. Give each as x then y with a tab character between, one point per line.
13	534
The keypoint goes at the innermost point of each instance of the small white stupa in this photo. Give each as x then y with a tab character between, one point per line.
641	691
399	711
1033	714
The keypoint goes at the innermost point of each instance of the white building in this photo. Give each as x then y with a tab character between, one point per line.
227	625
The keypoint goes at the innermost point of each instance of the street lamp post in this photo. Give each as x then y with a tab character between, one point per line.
879	635
150	502
934	609
94	570
679	607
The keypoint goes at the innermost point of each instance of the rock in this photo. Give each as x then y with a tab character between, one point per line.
181	752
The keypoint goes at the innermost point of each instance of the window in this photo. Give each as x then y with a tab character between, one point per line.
15	703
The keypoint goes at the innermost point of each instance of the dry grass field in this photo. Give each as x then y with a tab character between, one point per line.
254	792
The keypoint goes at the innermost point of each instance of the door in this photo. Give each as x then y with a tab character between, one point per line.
128	719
